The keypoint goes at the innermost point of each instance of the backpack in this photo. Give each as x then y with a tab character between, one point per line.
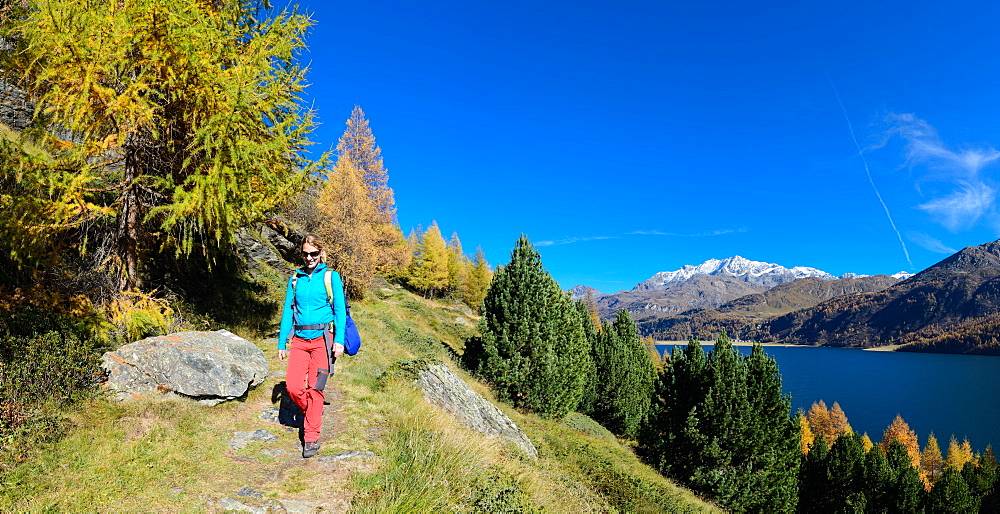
352	338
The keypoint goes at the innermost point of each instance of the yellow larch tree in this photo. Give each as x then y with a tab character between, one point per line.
591	303
958	453
654	352
866	442
429	270
931	462
458	268
478	281
819	420
830	423
838	423
807	434
346	227
163	127
358	146
900	431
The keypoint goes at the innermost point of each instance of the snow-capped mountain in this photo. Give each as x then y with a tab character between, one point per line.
763	274
902	275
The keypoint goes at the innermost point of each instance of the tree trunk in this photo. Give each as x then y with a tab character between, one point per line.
127	240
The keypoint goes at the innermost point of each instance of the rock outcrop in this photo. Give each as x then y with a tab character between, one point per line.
210	367
273	243
443	388
15	109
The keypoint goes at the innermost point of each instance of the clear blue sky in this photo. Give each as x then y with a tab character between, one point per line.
631	137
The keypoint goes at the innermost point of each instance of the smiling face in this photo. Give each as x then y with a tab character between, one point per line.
311	256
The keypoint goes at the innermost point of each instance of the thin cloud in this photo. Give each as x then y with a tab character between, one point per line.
674	234
924	146
929	242
571	240
963	207
969	196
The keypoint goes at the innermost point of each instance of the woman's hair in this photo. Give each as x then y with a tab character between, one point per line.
313	239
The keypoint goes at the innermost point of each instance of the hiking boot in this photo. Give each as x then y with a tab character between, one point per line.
310	449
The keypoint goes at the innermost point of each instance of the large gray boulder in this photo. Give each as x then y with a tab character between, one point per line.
210	367
444	388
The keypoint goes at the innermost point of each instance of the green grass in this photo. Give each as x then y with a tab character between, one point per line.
172	456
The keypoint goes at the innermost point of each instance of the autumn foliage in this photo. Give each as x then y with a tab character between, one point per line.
162	128
893	476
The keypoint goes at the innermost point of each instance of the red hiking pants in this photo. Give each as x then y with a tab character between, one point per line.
305	356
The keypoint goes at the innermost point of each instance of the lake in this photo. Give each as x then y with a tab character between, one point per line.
946	394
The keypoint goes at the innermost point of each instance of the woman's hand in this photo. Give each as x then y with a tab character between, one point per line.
338	350
282	355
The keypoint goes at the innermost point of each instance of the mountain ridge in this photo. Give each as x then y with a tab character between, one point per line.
741	317
952	306
765	274
708	285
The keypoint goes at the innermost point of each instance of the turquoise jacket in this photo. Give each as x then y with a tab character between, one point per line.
312	306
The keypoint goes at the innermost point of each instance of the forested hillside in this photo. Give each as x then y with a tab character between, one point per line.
953	307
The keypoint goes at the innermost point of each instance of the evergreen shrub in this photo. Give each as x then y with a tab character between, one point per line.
46	362
498	493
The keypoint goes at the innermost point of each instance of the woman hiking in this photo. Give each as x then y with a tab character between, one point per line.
311	336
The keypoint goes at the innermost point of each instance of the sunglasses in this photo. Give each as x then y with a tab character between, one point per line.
310	254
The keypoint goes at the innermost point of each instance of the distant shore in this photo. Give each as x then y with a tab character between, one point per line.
886	348
735	343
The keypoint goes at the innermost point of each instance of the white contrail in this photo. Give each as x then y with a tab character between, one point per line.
872	181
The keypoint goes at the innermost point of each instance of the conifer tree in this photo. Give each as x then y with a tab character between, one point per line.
931	462
951	494
591	386
429	270
534	351
867	442
412	250
838	422
807	434
845	474
357	146
413	239
479	278
653	350
672	439
771	456
990	501
458	268
877	480
813	477
905	491
591	304
981	476
624	376
958	453
346	227
819	419
722	425
900	431
830	422
166	127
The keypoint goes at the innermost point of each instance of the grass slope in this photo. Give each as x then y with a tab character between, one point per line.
169	455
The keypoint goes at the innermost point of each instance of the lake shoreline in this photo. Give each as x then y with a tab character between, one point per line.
886	348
